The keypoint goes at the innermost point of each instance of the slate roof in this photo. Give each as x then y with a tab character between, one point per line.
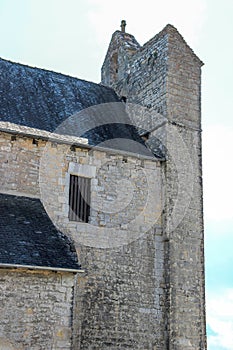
43	99
28	236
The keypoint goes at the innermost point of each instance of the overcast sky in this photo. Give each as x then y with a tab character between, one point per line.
72	36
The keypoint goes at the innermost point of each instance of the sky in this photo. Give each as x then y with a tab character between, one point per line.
72	36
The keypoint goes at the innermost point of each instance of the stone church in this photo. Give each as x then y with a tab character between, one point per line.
101	208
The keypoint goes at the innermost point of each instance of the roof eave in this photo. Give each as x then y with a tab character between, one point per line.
16	129
42	268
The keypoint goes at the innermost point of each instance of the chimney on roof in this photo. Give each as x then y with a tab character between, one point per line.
123	25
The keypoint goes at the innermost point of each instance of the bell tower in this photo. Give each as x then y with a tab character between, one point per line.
164	76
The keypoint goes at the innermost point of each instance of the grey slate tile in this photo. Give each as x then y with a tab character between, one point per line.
46	100
28	236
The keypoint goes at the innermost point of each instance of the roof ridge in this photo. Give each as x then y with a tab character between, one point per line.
49	71
166	30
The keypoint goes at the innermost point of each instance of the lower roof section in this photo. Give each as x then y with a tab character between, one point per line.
28	238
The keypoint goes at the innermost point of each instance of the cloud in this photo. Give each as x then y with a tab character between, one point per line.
218	172
73	36
220	320
146	18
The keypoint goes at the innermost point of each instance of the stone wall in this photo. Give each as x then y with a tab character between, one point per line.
164	77
185	224
36	309
120	299
126	196
142	250
20	157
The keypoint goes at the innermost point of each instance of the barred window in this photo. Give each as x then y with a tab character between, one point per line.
79	198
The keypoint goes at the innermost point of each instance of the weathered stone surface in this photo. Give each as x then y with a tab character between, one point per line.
142	250
164	76
121	249
35	310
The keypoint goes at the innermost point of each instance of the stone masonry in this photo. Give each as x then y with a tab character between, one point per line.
35	309
122	291
164	77
142	249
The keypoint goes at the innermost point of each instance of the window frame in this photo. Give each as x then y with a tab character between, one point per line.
79	198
